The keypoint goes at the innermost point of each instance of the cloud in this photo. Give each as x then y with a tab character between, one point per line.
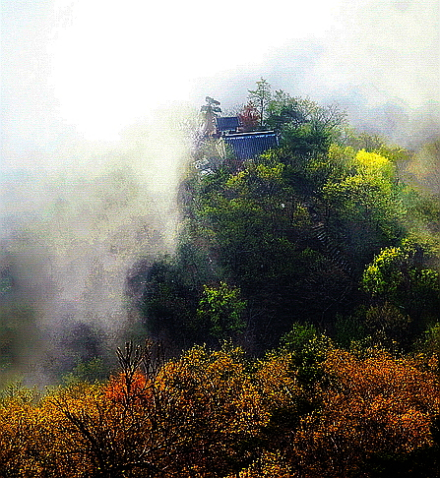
96	66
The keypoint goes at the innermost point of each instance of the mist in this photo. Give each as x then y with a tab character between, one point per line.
73	226
93	99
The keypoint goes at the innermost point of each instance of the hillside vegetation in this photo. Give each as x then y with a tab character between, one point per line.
309	409
304	296
321	230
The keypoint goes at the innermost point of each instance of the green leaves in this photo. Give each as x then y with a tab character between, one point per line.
384	275
260	97
221	309
316	230
403	290
368	190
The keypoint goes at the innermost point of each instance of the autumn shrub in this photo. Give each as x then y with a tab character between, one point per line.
269	465
18	424
283	398
377	404
123	389
218	414
215	411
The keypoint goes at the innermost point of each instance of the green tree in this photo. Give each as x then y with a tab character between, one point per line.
221	309
365	206
168	302
260	97
211	111
306	128
397	275
284	109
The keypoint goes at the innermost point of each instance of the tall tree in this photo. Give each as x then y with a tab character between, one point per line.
260	97
211	111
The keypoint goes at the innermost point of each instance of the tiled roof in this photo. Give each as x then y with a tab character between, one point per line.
251	145
227	123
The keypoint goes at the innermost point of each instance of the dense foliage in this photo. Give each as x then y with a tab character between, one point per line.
321	230
305	293
308	409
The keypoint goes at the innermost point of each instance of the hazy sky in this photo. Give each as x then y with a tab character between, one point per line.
92	67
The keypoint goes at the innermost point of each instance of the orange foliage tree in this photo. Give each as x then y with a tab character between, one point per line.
371	405
217	414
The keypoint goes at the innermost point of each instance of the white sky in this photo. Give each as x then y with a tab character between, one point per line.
95	66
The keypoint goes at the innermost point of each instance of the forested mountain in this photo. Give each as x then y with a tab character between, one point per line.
320	230
305	293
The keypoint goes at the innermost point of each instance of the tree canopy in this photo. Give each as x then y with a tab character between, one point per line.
300	231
